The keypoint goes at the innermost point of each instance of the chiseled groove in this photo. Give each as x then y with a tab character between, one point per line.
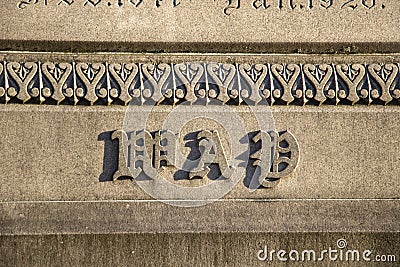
194	200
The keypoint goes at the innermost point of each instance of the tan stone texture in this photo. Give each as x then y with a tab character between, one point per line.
68	151
217	249
201	26
58	203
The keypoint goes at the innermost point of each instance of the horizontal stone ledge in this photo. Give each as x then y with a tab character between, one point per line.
67	79
273	23
110	46
227	216
193	249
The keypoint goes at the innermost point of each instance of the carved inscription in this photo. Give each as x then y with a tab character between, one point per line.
277	158
153	152
212	153
229	6
97	3
150	153
232	5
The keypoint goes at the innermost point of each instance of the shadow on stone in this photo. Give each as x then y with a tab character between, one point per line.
247	161
193	160
251	179
110	159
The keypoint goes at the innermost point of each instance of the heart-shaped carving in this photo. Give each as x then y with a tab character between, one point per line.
319	76
2	89
23	75
91	75
57	75
190	75
385	76
254	77
222	75
157	75
287	76
125	75
352	76
136	3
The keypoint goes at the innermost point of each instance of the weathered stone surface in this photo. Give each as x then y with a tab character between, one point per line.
274	25
227	216
216	249
60	160
349	152
72	192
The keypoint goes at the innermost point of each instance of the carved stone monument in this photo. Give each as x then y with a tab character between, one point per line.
199	133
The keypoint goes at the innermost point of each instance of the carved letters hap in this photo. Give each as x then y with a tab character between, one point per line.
90	83
276	158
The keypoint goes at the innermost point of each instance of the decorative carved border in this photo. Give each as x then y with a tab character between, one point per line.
93	83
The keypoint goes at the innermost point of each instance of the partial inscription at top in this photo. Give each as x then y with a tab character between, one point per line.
207	21
230	5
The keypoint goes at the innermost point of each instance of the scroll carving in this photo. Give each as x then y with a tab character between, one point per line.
385	75
91	74
228	7
319	76
254	77
170	84
125	75
352	76
57	74
287	76
190	75
222	75
23	74
157	76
